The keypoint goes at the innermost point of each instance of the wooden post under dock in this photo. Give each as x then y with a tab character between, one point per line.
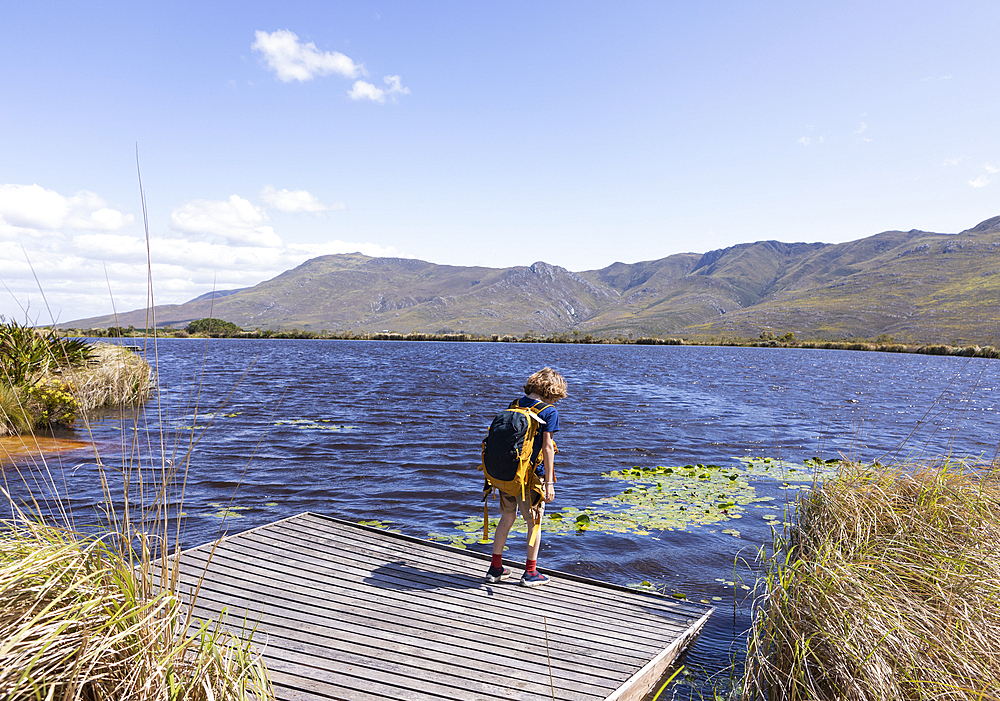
344	611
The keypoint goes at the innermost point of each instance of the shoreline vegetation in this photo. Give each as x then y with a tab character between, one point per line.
886	587
217	328
96	612
49	382
86	618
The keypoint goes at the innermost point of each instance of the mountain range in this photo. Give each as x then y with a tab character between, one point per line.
916	286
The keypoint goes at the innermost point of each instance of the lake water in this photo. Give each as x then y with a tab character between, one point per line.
390	432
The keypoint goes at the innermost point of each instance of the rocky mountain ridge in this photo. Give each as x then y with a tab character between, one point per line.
916	285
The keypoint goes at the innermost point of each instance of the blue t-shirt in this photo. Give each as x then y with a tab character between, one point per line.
550	415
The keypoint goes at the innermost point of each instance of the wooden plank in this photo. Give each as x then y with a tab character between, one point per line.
623	599
641	683
612	611
398	543
284	634
349	612
585	620
452	682
220	553
491	658
581	615
577	613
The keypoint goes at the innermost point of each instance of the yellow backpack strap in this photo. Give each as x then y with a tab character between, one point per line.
537	527
487	490
534	531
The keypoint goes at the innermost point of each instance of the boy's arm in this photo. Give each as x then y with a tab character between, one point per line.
549	459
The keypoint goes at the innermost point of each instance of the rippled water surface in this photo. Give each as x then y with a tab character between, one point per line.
390	431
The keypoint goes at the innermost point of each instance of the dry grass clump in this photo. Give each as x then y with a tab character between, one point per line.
888	588
113	376
77	621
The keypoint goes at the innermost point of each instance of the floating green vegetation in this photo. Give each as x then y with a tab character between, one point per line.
227	511
667	590
792	475
314	425
195	426
381	525
661	499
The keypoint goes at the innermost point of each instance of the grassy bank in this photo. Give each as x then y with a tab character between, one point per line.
80	619
887	587
49	381
97	614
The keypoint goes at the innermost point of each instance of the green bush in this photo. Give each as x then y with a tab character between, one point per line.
214	327
26	353
51	402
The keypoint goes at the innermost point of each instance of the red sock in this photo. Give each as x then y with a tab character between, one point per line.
497	562
530	565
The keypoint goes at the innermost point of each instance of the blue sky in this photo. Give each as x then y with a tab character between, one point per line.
473	133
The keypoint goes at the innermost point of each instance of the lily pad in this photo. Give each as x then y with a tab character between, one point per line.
657	499
314	425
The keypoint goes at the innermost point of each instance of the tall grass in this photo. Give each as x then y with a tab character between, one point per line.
98	614
77	621
887	587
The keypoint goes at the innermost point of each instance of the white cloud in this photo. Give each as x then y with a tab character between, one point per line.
223	244
953	161
808	141
362	90
76	274
291	59
986	178
860	131
235	220
33	210
296	201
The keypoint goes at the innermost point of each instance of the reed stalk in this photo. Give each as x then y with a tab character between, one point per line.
887	587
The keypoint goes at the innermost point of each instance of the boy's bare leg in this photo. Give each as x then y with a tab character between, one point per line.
507	519
530	519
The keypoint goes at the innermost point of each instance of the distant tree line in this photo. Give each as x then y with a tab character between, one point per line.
219	328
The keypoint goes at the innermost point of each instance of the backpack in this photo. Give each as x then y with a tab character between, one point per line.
508	456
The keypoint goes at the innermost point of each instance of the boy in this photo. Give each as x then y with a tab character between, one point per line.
544	387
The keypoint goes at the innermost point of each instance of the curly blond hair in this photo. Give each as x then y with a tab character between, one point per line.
547	384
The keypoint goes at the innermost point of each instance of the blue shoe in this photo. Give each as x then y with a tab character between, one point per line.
495	575
533	579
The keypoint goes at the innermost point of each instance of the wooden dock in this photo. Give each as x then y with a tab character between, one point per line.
349	612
